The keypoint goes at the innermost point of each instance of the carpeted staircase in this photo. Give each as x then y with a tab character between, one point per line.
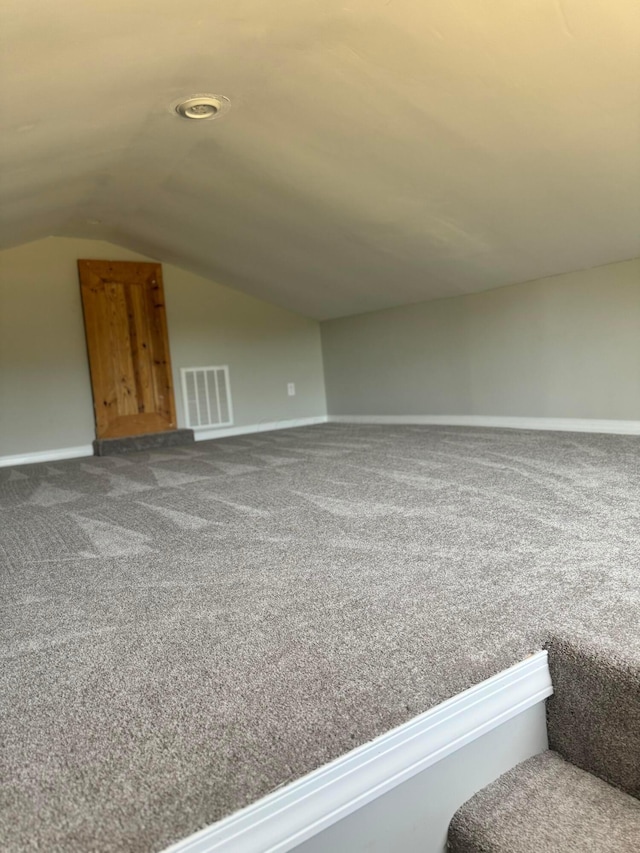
583	794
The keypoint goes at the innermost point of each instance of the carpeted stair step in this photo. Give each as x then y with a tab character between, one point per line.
547	805
148	441
593	717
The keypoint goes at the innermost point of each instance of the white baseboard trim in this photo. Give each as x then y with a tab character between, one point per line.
203	434
298	811
618	427
207	433
46	455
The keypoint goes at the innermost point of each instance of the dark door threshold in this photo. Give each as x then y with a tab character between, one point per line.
150	441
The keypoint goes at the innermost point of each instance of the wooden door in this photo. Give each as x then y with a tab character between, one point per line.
126	329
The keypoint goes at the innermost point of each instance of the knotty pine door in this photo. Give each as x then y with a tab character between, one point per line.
126	329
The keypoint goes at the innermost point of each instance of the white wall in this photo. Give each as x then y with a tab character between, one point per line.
414	817
45	391
561	347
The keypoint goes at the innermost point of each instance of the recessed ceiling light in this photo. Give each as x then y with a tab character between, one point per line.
200	107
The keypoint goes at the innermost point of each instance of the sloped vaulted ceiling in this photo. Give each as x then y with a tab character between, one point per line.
376	152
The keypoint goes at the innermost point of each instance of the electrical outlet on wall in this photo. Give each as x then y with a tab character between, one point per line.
291	389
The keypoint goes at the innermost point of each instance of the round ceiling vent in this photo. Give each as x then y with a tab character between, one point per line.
200	107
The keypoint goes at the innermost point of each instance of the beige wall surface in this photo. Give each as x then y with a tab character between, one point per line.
564	347
45	392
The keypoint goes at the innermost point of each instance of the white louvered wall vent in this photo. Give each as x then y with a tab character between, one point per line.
207	396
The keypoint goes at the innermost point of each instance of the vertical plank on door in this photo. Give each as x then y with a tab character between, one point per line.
127	343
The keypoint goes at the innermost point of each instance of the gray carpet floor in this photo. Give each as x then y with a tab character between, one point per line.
185	630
